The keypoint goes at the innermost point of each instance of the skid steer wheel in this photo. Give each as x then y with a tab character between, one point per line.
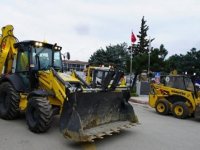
9	101
39	114
162	107
180	110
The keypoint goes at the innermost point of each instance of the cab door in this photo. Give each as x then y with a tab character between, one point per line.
22	68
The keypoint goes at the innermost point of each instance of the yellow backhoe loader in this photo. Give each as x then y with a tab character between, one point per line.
32	81
177	95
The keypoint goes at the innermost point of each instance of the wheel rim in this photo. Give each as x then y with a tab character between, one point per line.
178	110
161	107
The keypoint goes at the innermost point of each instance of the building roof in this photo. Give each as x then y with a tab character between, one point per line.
76	62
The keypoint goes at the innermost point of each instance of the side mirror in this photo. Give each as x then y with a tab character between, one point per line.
68	55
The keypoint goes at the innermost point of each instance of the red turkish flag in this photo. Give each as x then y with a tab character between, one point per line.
133	38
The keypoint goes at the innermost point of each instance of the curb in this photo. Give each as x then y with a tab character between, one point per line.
138	101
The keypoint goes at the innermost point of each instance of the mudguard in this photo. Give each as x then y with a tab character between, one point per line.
40	92
15	80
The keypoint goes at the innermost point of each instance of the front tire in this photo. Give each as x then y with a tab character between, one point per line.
180	110
162	107
39	114
9	101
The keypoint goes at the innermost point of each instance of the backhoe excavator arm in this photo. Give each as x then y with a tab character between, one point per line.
7	50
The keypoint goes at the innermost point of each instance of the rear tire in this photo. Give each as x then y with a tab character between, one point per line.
39	114
162	107
9	101
180	110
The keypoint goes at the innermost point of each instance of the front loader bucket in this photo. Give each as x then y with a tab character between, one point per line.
86	116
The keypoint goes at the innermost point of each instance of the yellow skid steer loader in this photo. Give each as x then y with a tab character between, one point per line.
177	95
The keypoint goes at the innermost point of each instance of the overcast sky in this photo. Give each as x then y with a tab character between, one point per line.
83	26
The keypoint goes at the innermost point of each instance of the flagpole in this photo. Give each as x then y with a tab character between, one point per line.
133	39
149	61
149	57
131	63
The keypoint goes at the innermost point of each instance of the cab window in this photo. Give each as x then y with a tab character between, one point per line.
22	62
57	60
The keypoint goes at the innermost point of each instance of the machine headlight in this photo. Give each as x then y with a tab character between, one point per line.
38	44
57	47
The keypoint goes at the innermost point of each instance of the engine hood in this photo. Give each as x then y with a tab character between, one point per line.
67	77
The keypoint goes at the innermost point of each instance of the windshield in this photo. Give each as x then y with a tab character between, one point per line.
42	59
179	82
189	84
176	82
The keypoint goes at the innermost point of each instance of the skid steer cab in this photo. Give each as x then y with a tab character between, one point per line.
32	81
177	95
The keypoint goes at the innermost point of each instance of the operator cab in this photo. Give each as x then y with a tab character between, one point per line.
179	82
34	56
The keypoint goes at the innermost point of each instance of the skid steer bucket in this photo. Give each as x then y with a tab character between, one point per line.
87	116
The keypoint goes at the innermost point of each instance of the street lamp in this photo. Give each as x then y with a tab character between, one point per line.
122	63
119	62
149	56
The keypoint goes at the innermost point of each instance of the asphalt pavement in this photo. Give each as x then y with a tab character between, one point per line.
155	132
